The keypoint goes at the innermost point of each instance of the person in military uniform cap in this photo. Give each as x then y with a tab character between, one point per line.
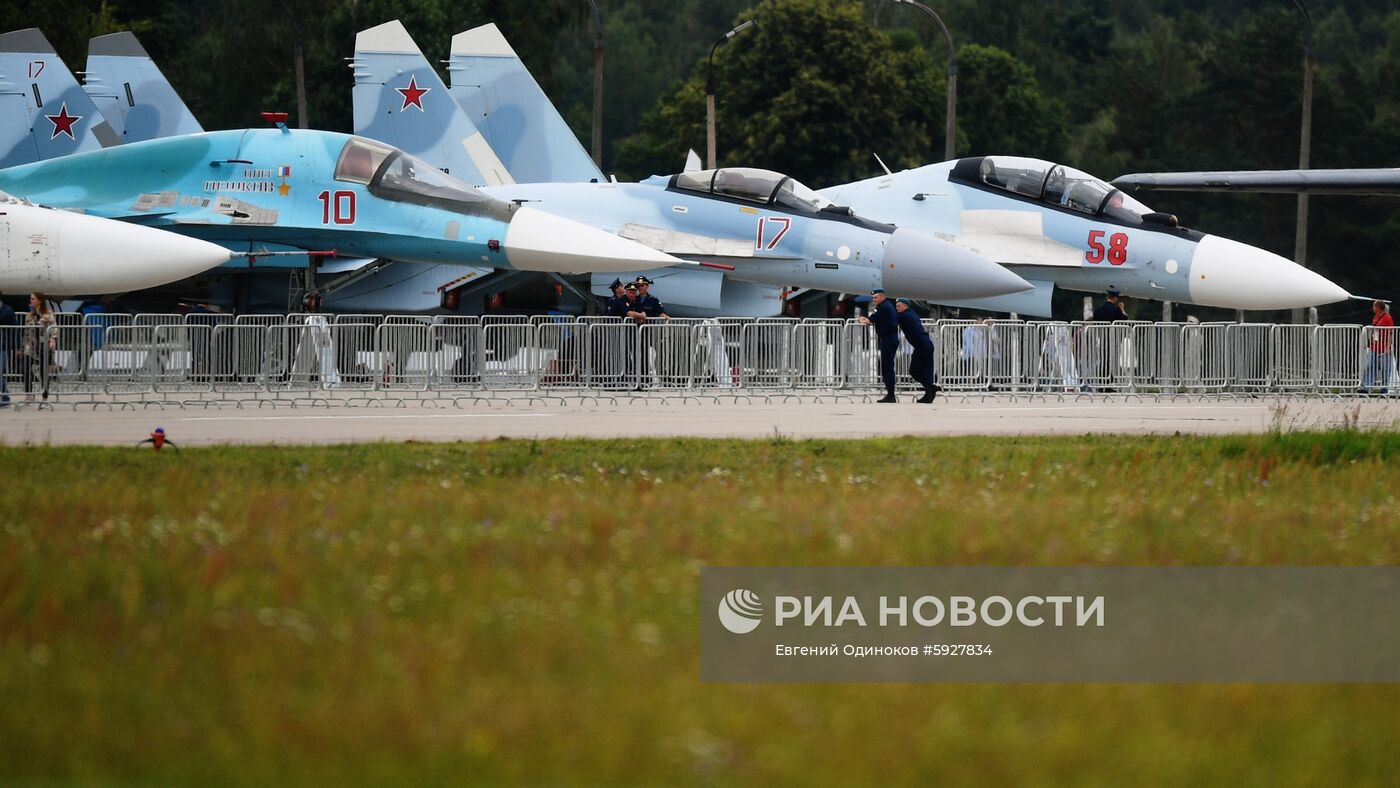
1111	310
921	363
651	306
610	306
886	322
631	304
621	302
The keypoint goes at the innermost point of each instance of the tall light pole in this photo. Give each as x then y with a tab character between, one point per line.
710	93
597	85
297	62
951	138
1300	240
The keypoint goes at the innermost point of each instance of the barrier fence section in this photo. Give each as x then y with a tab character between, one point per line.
210	355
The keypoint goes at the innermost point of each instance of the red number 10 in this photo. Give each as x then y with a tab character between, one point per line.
342	204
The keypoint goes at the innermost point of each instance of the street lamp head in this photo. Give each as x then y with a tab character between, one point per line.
741	28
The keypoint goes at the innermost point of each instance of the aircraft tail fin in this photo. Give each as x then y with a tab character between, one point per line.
131	91
500	96
692	161
400	99
44	112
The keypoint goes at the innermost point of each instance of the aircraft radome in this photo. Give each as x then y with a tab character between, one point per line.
66	253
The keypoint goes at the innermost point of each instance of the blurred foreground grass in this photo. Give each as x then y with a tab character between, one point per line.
527	611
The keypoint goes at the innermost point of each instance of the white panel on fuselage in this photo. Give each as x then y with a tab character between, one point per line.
1014	238
686	244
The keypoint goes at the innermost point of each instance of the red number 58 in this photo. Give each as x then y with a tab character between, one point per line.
1116	253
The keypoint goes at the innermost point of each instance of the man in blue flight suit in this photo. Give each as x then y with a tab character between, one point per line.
886	322
921	363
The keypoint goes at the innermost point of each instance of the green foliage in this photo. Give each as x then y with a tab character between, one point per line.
1001	109
812	91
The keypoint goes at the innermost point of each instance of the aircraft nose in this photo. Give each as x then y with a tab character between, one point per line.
103	255
1233	275
540	241
919	265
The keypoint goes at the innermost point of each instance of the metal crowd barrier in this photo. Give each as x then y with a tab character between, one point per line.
212	355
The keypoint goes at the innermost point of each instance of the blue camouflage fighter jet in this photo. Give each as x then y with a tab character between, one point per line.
754	225
267	191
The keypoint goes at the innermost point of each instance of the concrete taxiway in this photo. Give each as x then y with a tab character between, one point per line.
522	419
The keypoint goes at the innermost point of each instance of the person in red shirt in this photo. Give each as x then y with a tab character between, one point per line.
1379	363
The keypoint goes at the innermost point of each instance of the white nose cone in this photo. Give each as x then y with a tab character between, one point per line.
540	241
1233	275
919	265
73	254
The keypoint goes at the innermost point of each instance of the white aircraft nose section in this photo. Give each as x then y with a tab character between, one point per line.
1233	275
103	255
73	254
919	265
540	241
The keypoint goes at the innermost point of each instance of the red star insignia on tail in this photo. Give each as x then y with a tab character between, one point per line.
63	122
412	95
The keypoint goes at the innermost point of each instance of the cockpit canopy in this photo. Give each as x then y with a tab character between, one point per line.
394	175
753	185
1054	184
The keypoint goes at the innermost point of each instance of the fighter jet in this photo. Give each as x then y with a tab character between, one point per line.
1025	221
267	190
45	112
1057	226
65	253
756	225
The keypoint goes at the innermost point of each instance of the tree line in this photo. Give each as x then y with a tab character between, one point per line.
822	86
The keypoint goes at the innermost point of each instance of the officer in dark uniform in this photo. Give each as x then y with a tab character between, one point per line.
651	306
921	363
621	305
886	322
1098	348
1111	310
617	294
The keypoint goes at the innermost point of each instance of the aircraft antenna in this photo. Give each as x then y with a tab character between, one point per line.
882	163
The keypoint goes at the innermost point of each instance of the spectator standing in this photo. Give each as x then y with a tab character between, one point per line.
1379	363
40	342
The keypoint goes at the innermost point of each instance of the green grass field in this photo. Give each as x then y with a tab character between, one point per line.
521	612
